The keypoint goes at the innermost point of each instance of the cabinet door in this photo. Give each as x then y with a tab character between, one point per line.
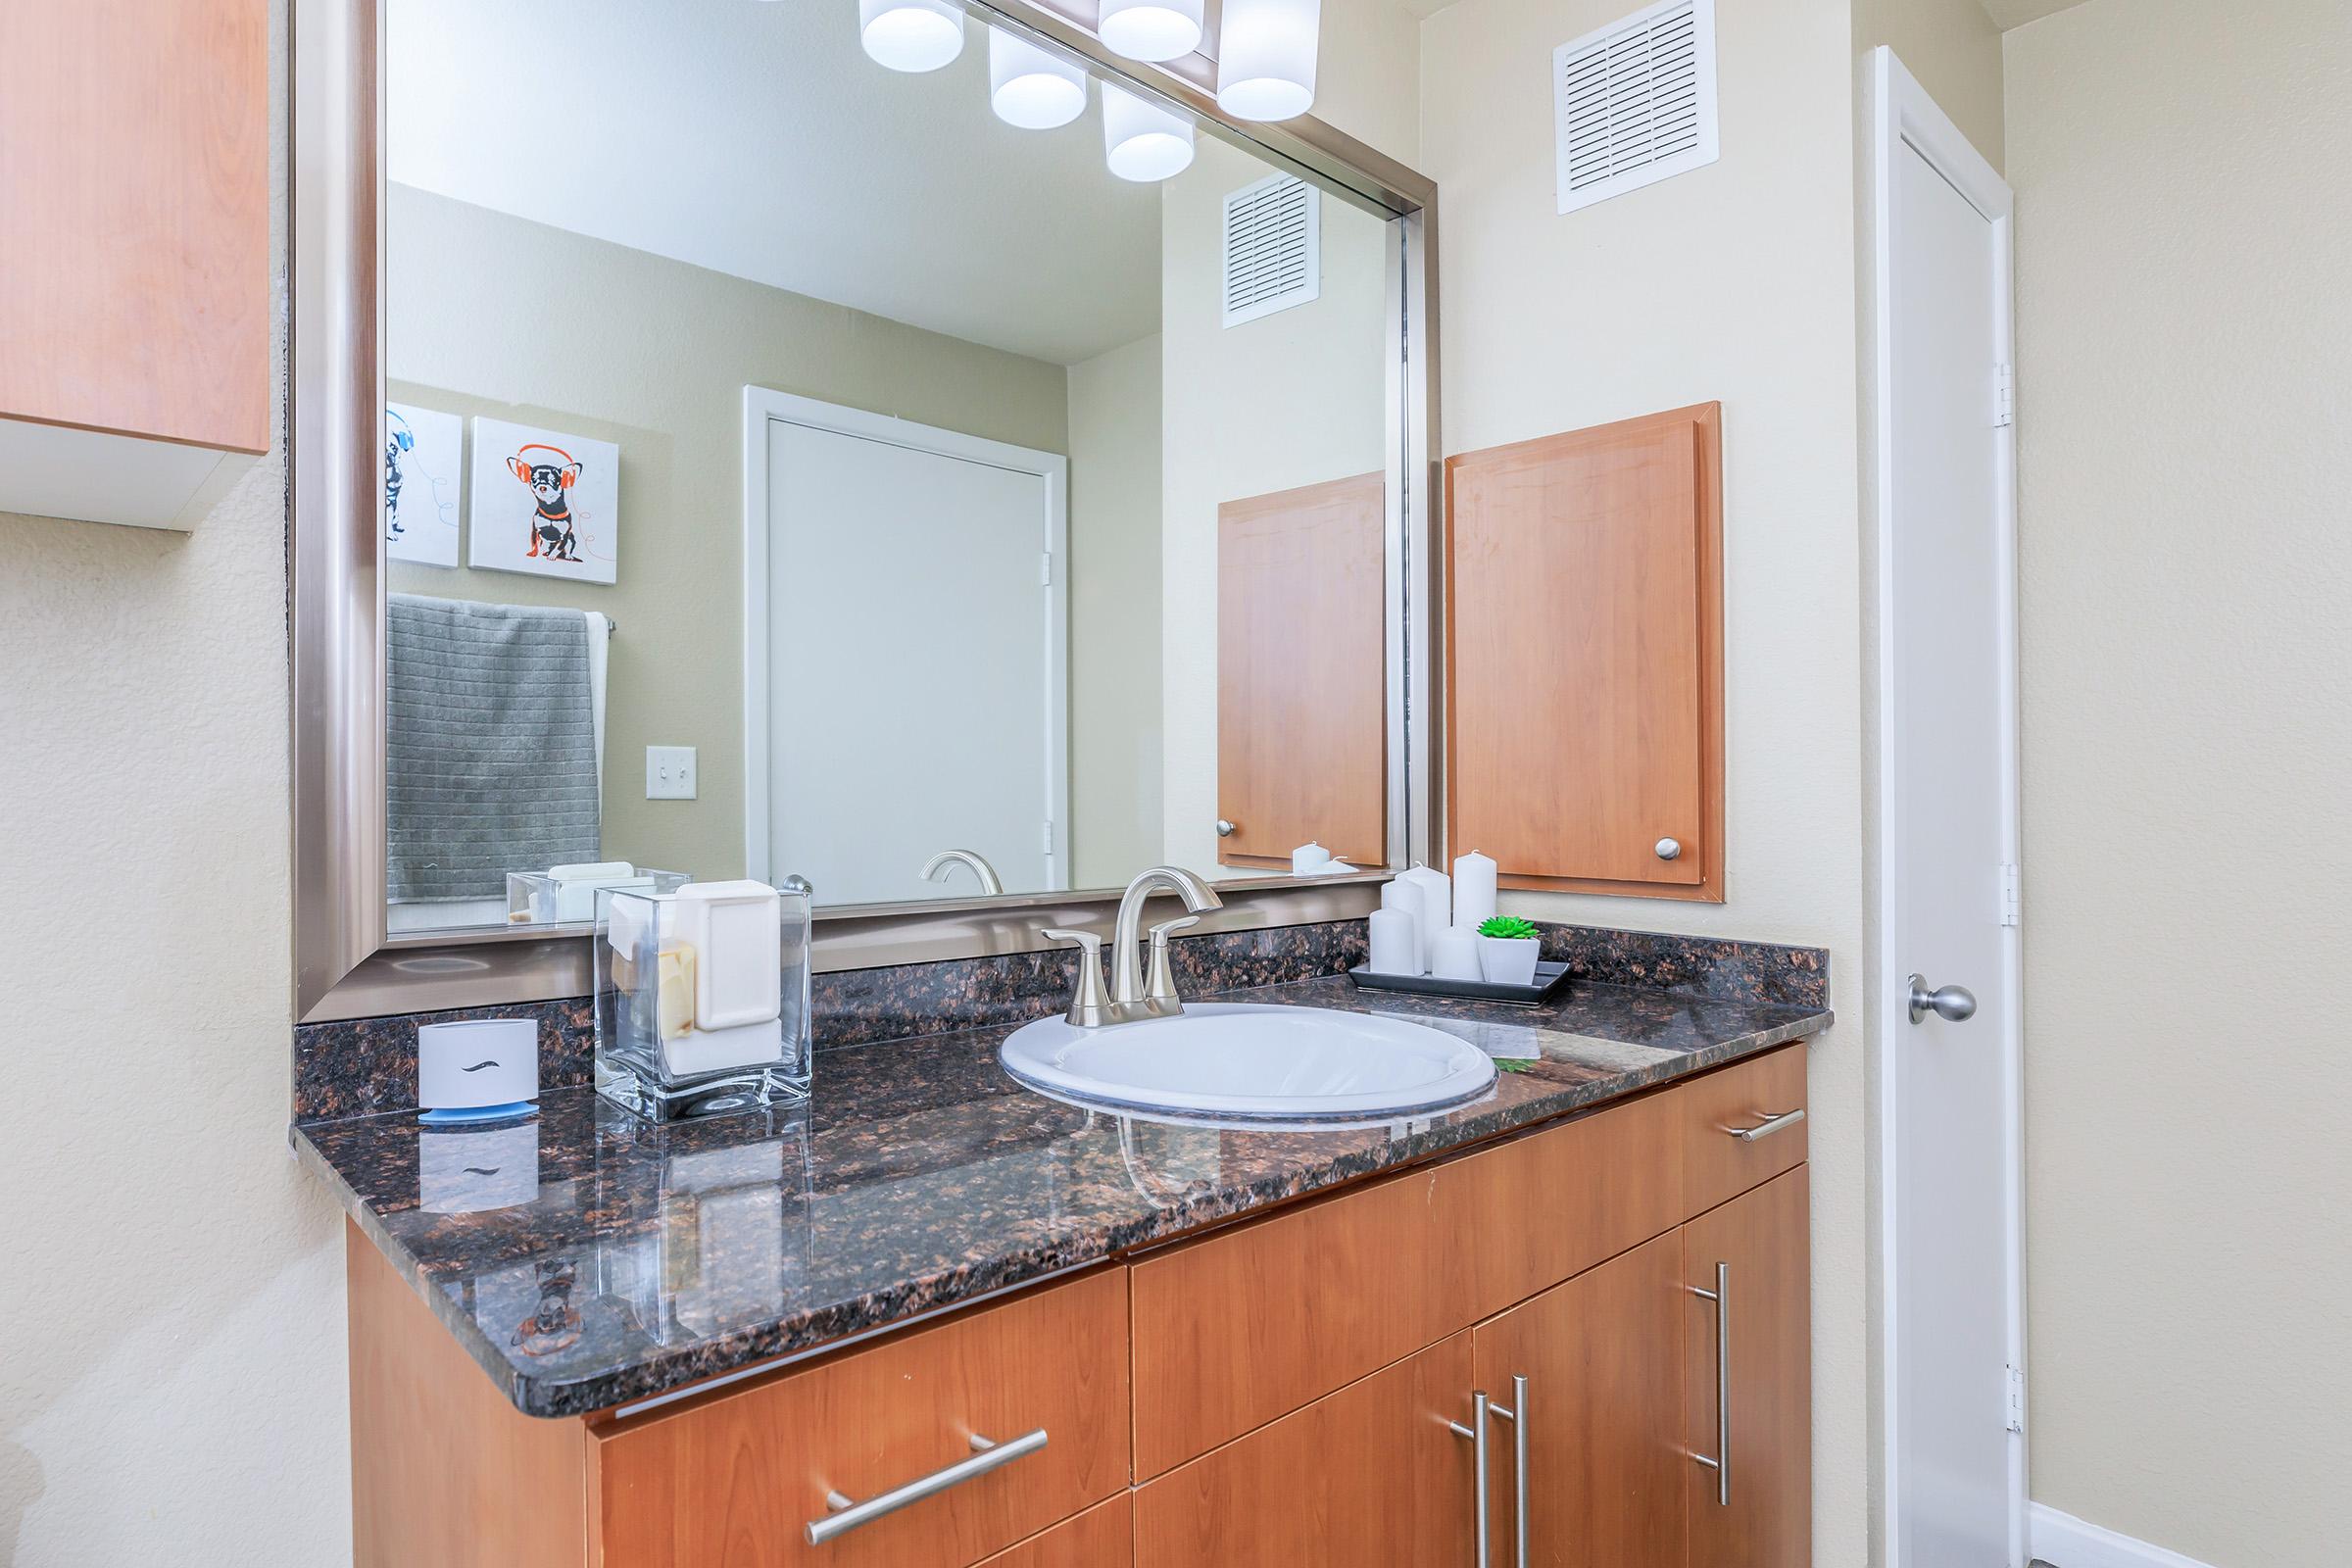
1370	1475
1102	1537
1302	685
1602	1359
1751	1379
1589	759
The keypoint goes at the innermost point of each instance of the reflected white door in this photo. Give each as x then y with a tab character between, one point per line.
915	678
1948	850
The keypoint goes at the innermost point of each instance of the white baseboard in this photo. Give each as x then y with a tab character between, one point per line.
2065	1541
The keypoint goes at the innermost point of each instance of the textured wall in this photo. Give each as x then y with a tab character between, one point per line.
173	1296
2184	330
1736	282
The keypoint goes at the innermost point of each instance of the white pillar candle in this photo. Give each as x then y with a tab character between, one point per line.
1436	900
1397	942
1310	859
1406	898
1473	888
1456	953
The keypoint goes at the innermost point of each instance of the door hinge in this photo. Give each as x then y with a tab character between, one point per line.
2017	1399
2004	395
1045	570
2013	897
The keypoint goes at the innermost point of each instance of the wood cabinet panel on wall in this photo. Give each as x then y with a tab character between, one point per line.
1583	631
1301	683
134	303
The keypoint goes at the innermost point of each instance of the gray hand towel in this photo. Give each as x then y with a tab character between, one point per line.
490	746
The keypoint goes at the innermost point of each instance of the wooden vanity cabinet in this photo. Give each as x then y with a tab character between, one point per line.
1284	1390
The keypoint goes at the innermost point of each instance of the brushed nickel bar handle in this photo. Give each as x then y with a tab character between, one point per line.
1476	1432
1721	1462
846	1516
1768	1126
1516	1415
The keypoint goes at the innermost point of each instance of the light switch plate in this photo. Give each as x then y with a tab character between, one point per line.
670	772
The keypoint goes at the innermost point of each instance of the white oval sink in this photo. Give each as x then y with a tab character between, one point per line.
1252	1060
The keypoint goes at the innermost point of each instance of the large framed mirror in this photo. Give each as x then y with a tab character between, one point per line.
720	454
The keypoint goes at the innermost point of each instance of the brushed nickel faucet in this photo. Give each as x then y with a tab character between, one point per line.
935	869
1130	997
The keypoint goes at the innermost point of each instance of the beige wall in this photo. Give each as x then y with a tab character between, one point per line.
1290	399
2183	336
173	1292
1115	823
495	315
1733	282
1954	49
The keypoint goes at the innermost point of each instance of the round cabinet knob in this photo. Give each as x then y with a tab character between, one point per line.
1224	828
1670	849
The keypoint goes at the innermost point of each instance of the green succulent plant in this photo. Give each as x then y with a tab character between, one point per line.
1509	927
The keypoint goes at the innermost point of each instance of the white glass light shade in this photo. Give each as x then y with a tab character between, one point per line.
1031	89
911	34
1141	141
1150	29
1266	57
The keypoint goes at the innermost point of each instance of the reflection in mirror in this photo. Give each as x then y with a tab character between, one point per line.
798	465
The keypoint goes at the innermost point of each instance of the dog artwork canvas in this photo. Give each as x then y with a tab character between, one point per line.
545	502
421	478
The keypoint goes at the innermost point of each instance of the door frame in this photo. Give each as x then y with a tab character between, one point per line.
1903	115
763	408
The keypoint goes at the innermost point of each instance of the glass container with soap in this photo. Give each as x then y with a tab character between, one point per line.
702	998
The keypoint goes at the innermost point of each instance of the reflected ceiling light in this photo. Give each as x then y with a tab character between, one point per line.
1266	57
911	34
1031	89
1150	29
1141	141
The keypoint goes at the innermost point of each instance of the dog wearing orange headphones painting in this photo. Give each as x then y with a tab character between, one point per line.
550	473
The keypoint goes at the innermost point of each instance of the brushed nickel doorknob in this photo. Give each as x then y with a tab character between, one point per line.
1952	1003
1670	849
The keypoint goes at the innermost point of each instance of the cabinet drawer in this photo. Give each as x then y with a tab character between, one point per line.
1718	1164
735	1482
1369	1474
1239	1328
1102	1537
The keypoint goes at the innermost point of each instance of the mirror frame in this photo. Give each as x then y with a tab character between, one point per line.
345	963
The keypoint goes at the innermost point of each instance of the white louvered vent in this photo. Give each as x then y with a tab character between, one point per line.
1635	101
1273	247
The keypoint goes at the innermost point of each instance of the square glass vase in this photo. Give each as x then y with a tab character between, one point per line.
649	1056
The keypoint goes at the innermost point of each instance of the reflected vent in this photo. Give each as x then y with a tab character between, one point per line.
1635	101
1273	247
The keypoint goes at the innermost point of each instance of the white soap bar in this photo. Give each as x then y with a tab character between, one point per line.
1473	888
1396	943
737	932
1406	898
477	1063
1456	953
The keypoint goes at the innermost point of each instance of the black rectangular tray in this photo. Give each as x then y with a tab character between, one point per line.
1549	977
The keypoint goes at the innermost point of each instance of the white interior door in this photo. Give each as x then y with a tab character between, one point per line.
1948	850
915	681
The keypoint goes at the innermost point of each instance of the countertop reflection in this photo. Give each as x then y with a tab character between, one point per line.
586	1259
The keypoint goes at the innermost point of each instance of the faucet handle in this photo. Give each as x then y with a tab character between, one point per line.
1090	1001
1160	991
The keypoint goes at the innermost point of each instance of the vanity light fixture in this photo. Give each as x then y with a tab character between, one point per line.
1142	141
1266	57
1031	89
911	34
1150	29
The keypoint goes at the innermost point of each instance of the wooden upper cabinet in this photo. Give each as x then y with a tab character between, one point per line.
134	300
1301	683
1584	669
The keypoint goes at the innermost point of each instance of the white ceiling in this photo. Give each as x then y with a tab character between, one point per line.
758	139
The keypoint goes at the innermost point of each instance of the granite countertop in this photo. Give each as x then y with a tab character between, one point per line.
586	1259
